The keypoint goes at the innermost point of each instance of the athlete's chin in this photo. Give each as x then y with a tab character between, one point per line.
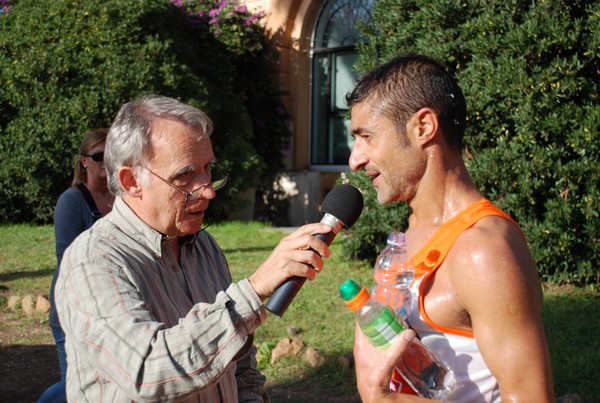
383	200
384	197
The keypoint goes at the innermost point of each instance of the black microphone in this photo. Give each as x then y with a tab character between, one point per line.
341	208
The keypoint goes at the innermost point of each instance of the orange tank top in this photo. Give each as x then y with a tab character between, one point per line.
429	258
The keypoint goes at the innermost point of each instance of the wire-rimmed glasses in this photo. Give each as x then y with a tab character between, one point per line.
215	184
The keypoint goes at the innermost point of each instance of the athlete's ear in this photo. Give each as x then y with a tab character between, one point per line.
424	125
130	182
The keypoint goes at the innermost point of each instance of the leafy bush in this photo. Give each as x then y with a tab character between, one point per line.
67	67
529	74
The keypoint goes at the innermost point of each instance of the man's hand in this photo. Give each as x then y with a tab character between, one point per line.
374	368
298	254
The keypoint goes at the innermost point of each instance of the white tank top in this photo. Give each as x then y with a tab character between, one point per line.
460	354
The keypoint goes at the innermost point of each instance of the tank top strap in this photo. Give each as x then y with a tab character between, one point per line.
429	258
433	253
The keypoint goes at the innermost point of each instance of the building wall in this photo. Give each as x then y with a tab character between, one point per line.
290	24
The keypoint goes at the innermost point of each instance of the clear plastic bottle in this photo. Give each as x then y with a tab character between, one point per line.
417	366
393	273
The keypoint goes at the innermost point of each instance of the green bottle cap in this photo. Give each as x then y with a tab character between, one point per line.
349	289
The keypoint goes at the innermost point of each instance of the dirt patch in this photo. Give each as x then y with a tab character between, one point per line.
28	357
27	371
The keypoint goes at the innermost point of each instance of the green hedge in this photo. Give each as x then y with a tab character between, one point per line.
67	66
529	71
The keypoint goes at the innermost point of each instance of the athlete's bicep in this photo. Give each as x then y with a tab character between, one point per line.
495	279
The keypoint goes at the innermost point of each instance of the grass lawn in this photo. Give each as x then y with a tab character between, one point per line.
317	315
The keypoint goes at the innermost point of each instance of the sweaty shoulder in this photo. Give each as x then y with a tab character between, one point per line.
490	239
491	262
489	232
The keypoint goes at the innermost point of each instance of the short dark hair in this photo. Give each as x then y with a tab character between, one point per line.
402	86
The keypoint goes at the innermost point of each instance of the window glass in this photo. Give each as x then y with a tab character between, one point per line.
333	76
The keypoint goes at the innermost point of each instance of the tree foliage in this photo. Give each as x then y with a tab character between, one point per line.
529	71
68	66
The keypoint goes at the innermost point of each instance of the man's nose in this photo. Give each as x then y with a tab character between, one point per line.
209	192
205	192
358	159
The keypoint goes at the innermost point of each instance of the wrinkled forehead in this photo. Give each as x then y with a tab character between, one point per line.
170	138
167	127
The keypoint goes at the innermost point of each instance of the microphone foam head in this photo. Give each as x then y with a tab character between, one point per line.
344	202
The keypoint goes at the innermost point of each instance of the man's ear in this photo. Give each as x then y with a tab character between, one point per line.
129	182
425	125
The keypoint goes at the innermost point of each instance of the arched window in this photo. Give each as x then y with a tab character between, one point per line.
333	55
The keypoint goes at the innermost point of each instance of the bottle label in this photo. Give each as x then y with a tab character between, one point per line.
403	314
383	329
398	300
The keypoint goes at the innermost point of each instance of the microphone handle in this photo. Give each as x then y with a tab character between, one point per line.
285	293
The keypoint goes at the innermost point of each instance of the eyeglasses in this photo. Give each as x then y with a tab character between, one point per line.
97	156
215	184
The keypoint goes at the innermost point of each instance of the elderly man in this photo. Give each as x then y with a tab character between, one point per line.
477	299
145	296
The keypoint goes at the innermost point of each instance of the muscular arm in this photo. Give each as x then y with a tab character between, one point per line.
495	279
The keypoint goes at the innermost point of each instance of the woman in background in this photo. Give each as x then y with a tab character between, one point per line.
77	209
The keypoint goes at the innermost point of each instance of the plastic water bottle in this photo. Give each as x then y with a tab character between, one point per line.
418	366
393	273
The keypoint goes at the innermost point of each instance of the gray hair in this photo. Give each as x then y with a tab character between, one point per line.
128	139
